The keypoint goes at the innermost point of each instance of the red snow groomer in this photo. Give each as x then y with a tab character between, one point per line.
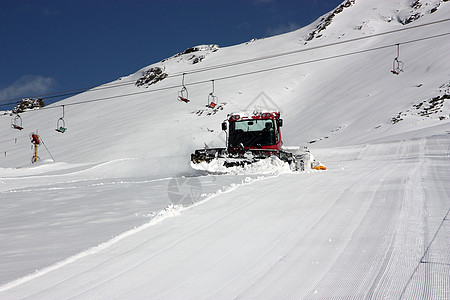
251	137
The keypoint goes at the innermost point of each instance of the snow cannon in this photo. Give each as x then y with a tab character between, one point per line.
251	137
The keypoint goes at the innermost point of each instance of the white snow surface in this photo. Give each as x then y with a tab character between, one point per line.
117	212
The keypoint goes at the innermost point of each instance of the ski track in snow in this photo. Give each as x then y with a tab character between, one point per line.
170	211
365	238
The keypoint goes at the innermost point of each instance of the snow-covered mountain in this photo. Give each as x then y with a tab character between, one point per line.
119	165
349	99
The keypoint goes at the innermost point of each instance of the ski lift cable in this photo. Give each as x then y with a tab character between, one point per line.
259	71
66	94
247	73
113	85
286	53
310	48
74	91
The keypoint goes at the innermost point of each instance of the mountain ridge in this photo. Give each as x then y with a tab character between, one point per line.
302	93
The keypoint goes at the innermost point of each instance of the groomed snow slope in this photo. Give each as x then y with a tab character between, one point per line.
375	225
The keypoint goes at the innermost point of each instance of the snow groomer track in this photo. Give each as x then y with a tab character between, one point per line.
374	226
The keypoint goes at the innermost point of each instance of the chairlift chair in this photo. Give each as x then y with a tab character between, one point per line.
16	122
61	124
212	99
397	65
183	94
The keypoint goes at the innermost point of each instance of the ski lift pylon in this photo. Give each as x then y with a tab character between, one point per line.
61	124
212	99
397	65
16	122
183	94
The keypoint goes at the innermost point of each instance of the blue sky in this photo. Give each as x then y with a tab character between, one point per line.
52	46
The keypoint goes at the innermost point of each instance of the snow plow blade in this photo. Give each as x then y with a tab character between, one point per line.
207	155
238	158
